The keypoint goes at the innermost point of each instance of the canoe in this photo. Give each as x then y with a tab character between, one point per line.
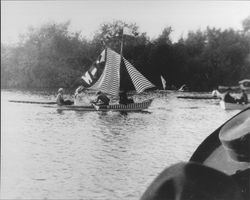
197	97
115	107
33	102
233	106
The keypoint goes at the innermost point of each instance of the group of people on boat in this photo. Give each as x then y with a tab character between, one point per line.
101	99
228	98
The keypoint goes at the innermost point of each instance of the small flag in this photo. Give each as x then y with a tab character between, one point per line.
101	57
128	31
163	81
93	71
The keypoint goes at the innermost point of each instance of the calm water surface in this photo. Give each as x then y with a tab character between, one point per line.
46	154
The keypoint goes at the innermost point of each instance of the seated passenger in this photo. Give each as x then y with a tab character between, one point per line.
243	99
228	98
216	93
79	90
60	100
101	99
124	99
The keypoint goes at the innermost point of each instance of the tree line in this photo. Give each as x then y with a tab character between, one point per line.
51	56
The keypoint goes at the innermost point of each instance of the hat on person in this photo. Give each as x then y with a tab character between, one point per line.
80	89
235	137
60	90
192	181
227	149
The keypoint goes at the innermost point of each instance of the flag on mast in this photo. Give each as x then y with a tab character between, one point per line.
163	81
128	31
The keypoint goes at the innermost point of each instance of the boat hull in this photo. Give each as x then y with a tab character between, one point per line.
233	106
116	107
197	97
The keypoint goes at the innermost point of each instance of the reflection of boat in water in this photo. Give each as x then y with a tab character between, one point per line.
233	106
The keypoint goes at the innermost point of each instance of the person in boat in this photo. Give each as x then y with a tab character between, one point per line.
124	99
60	100
79	90
215	93
228	98
243	99
78	96
101	99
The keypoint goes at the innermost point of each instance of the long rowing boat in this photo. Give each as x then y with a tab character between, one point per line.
233	106
197	97
114	107
33	102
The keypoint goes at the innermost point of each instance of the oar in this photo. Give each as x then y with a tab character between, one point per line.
33	102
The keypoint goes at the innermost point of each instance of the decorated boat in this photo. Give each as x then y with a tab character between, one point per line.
111	74
233	106
118	75
113	107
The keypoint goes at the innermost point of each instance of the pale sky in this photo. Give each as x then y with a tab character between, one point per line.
151	16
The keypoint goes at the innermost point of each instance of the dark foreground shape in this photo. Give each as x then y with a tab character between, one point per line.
212	153
218	170
192	181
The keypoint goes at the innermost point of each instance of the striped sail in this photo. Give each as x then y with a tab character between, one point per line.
109	82
110	78
139	81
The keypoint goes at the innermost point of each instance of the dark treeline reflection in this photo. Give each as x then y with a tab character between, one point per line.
51	56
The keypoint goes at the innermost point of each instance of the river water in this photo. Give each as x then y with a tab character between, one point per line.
46	154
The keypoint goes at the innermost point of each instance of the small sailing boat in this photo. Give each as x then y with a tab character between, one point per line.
119	75
117	70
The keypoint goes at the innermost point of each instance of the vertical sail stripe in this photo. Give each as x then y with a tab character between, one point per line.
139	81
109	81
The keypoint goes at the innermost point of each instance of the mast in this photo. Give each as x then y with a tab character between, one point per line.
121	51
121	54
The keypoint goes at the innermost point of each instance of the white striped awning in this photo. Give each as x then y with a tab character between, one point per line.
109	81
139	81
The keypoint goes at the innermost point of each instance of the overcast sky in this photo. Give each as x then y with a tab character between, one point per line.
151	16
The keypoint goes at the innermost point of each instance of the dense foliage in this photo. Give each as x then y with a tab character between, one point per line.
52	56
